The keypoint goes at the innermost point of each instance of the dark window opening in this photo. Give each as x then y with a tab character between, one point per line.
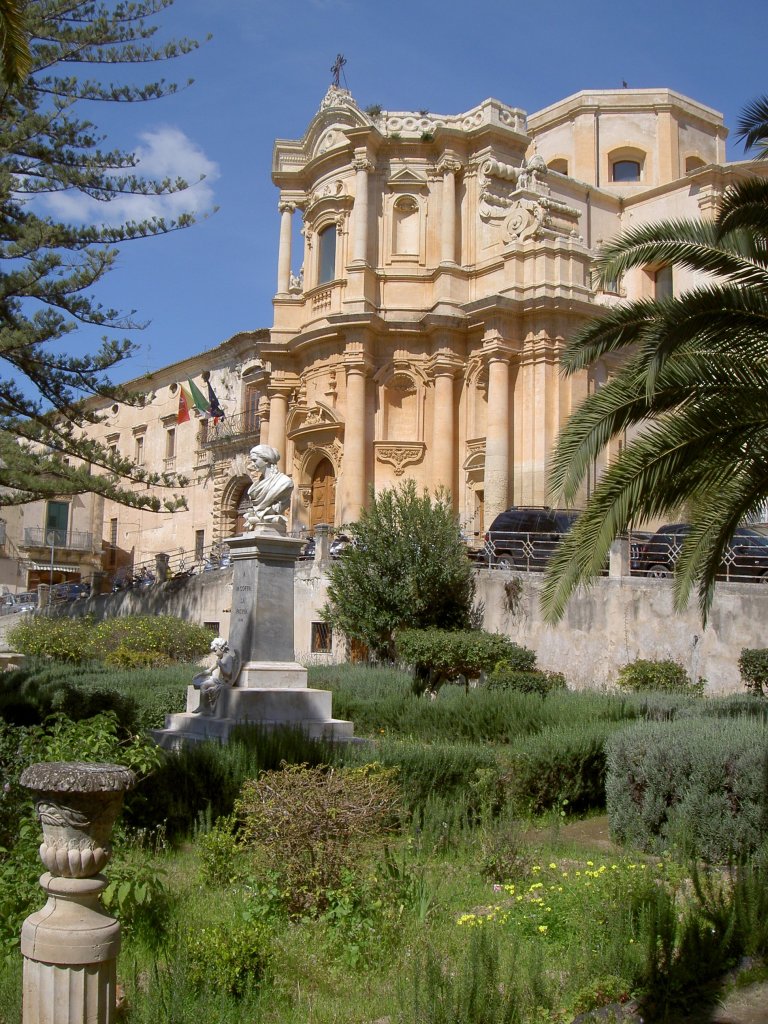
327	249
625	170
322	638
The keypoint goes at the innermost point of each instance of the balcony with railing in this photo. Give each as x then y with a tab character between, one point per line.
233	429
61	540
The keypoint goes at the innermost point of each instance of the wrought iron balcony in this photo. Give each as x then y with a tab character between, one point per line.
72	540
234	428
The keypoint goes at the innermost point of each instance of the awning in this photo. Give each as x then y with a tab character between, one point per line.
46	567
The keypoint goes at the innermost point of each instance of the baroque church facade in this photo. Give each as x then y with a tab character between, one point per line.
430	271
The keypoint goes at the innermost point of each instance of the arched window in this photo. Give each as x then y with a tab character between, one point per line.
326	242
693	163
625	170
560	165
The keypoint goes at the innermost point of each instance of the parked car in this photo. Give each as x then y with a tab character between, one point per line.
12	604
308	551
69	591
339	543
746	557
525	537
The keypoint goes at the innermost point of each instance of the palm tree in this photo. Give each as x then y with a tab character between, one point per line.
15	57
695	385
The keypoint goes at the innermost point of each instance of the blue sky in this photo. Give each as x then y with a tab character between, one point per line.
266	69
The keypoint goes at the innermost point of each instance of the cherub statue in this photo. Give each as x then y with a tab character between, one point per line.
270	494
211	682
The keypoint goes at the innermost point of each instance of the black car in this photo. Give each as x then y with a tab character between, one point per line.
525	537
745	558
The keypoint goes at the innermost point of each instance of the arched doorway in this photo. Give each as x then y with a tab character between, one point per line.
242	507
323	508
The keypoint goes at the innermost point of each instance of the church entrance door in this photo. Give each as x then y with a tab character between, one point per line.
323	494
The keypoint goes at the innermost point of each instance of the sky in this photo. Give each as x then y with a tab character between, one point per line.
265	70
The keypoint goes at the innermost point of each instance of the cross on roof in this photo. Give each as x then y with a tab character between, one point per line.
338	64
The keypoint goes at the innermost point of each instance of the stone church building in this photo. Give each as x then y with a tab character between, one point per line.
429	272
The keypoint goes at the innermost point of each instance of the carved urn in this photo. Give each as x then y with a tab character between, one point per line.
77	804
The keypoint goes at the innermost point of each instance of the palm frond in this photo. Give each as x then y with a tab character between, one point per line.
14	43
752	126
745	207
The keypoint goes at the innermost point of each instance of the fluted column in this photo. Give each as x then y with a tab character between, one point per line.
360	241
497	432
449	168
284	252
278	417
443	427
355	440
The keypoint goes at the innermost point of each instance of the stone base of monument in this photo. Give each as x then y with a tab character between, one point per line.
269	695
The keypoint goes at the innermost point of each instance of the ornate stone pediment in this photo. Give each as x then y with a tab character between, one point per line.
313	422
407	179
399	453
475	458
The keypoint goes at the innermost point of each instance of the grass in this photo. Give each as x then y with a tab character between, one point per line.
465	915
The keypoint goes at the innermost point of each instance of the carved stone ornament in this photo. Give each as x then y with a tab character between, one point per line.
337	97
399	455
77	804
306	496
523	221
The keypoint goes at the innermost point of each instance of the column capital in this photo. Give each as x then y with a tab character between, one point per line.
445	365
358	362
496	350
286	206
362	163
448	164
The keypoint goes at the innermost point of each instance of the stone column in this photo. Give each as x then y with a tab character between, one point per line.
443	427
497	432
70	947
449	168
360	241
278	416
284	252
355	441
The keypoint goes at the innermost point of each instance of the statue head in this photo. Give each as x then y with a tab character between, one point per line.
219	645
263	455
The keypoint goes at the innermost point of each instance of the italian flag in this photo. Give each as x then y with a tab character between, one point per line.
199	400
185	402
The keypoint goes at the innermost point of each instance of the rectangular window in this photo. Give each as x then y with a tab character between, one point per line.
139	453
322	638
170	443
112	541
56	522
199	544
663	283
214	626
327	246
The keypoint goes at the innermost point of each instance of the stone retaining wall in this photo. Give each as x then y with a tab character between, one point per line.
616	621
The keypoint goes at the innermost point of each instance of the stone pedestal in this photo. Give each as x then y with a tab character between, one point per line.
70	947
271	690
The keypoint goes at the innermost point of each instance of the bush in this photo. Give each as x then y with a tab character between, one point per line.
60	639
130	642
536	681
561	767
665	676
320	820
204	780
438	655
408	566
753	665
697	782
228	958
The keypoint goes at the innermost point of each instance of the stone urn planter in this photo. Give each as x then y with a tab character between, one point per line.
71	945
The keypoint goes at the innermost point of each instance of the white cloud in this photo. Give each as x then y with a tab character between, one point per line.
162	153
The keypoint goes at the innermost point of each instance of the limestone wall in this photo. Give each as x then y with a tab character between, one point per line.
616	621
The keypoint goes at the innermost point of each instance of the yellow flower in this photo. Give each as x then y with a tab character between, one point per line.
543	929
553	866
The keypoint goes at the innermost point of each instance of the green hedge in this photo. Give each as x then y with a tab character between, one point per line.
132	641
562	766
699	783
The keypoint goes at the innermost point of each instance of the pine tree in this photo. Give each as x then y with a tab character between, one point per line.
50	268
